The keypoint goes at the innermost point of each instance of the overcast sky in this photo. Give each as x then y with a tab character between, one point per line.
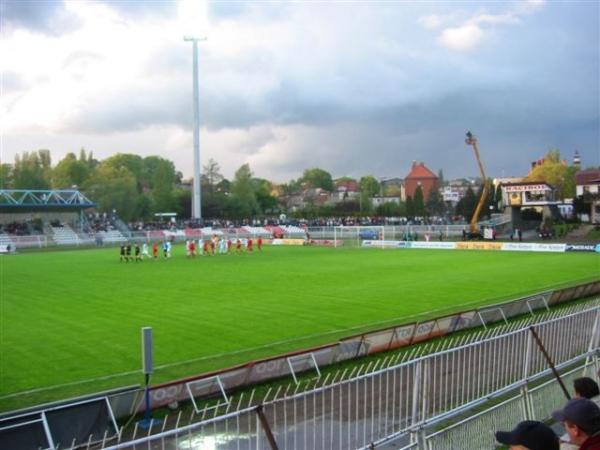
352	87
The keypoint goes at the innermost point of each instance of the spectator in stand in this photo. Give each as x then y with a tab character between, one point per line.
529	435
581	418
585	387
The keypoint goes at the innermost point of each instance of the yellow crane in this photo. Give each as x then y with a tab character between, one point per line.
472	141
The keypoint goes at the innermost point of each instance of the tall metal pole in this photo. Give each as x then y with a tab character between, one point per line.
196	195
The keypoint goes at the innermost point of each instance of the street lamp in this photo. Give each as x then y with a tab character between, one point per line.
196	199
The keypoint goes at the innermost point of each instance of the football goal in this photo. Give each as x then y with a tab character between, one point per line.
355	235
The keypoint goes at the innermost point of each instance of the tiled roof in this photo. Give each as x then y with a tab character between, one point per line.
587	177
421	172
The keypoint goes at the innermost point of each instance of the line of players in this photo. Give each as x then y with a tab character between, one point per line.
208	248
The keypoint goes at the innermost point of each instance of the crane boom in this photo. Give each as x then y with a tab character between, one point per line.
472	141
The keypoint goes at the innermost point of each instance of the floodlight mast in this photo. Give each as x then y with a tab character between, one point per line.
196	194
472	141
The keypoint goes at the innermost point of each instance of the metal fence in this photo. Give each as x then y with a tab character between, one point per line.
430	397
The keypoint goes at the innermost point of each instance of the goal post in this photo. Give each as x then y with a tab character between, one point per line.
356	235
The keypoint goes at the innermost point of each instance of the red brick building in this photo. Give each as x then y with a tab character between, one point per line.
420	176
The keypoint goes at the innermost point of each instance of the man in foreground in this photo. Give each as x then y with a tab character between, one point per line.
581	418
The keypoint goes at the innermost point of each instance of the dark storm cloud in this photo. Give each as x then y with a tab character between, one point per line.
131	110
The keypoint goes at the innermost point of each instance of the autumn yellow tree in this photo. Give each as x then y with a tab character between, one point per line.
557	173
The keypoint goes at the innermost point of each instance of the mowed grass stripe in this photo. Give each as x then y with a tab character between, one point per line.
67	317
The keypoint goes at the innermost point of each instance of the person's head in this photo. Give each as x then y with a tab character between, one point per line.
585	387
581	418
529	435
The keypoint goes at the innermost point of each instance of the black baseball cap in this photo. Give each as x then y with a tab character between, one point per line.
580	411
531	434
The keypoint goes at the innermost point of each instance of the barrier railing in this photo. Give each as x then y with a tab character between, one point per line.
431	399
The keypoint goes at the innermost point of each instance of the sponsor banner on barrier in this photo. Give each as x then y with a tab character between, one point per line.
326	242
532	247
383	244
462	321
478	245
348	350
423	331
288	242
439	245
403	335
379	341
583	248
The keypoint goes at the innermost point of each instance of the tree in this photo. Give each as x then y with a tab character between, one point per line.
242	193
163	183
114	189
318	178
70	171
497	197
32	170
211	176
418	203
556	173
5	176
466	205
435	202
133	163
410	209
262	191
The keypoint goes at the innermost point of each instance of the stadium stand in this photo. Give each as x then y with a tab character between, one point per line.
112	236
64	235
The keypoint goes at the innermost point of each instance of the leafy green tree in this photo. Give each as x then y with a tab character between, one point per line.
410	207
114	189
242	193
497	197
369	186
435	202
347	207
184	200
262	191
32	170
5	176
419	204
142	209
391	209
133	163
163	183
466	205
70	171
318	178
441	180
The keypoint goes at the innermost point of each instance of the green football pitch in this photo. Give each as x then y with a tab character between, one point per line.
71	320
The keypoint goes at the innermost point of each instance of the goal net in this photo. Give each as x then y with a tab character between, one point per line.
355	236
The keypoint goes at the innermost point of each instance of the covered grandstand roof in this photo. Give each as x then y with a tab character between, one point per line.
15	200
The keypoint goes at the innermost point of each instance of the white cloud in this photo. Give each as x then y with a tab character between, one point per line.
466	37
470	34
